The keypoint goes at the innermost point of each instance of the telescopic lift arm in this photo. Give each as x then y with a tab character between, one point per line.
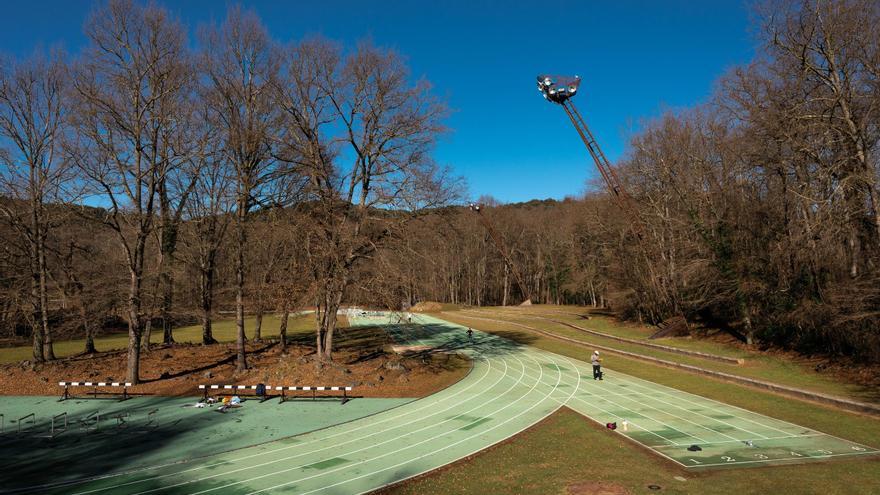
560	90
500	245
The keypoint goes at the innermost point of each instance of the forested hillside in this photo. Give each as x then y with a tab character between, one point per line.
238	174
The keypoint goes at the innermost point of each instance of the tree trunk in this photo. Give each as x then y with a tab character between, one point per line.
333	298
207	299
167	283
147	334
258	325
87	326
48	349
134	326
505	286
241	361
36	319
282	331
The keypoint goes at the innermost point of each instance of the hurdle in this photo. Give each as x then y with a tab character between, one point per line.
345	390
152	422
56	426
91	422
237	389
66	395
23	418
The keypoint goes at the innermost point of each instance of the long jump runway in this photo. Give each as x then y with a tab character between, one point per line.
510	388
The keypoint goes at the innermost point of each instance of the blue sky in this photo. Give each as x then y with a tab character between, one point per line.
636	59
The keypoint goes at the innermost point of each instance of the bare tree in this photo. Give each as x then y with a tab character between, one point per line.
239	64
388	128
208	217
129	87
32	112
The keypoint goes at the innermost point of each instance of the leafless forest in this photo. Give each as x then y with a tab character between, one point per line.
158	178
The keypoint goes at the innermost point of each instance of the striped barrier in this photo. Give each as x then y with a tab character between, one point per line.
314	390
265	396
95	386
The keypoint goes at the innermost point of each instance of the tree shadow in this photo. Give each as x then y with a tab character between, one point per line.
227	360
121	440
445	338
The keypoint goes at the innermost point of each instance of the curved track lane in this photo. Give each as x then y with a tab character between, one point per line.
509	389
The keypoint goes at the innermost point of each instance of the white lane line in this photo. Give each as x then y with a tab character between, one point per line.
699	414
431	401
590	404
741	441
333	446
423	455
577	371
561	403
632	383
781	459
631	439
648	417
373	445
645	404
715	401
787	433
575	366
702	406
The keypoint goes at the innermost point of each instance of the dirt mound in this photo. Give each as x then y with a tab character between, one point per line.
427	307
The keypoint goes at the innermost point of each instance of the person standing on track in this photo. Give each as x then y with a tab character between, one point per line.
597	366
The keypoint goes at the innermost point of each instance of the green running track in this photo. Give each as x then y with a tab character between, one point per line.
510	388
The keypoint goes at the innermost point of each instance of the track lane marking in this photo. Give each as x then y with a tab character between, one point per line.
381	443
541	370
361	438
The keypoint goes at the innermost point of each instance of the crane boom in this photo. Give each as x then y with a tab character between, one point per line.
501	249
560	90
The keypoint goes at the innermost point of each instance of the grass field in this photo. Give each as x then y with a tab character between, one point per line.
224	331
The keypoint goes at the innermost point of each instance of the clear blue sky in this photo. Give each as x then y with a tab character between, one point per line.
636	59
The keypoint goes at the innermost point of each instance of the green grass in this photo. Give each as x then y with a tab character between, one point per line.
224	331
758	366
568	448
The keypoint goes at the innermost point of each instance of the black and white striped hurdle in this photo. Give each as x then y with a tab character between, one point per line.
315	390
265	396
95	386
